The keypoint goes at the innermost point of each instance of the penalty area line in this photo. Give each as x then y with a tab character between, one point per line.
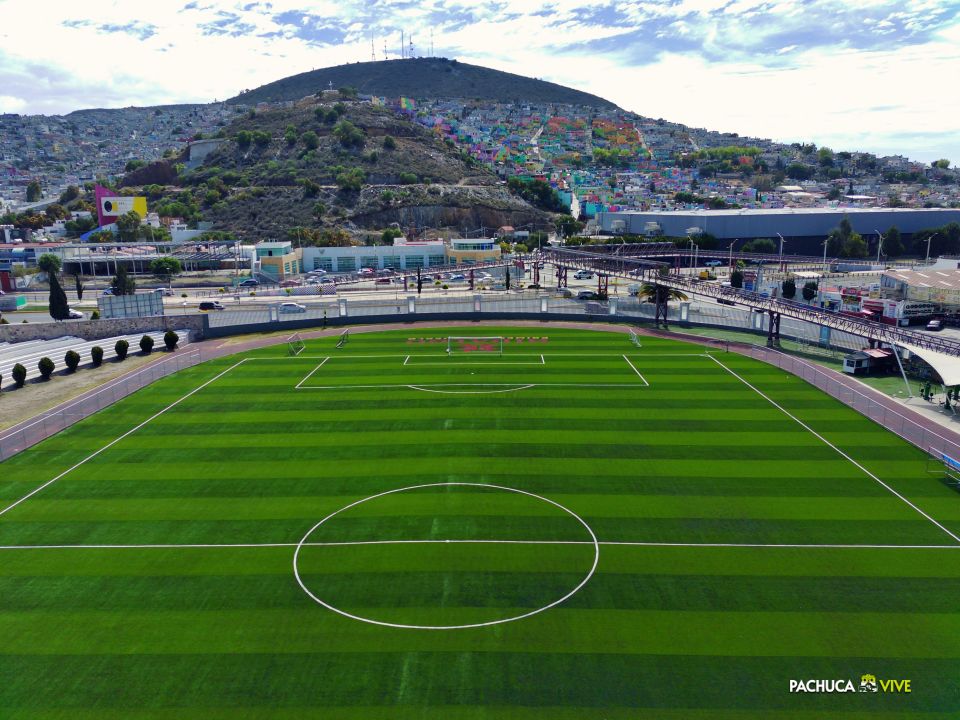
834	447
307	376
634	368
113	442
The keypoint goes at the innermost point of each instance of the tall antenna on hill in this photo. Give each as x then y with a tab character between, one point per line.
410	54
373	54
431	42
385	56
403	50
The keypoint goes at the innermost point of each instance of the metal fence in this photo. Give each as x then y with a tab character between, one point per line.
881	411
40	428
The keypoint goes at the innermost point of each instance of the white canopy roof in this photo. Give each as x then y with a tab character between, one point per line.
947	366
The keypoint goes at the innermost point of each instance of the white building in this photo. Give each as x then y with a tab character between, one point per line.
402	255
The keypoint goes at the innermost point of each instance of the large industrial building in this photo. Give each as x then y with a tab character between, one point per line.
803	224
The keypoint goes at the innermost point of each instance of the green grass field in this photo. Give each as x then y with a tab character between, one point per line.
627	531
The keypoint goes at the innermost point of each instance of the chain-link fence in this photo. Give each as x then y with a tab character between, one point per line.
931	440
20	438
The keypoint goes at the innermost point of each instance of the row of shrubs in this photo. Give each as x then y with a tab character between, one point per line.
72	358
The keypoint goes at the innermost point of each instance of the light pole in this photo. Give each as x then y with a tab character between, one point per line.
879	243
928	246
730	258
825	242
782	241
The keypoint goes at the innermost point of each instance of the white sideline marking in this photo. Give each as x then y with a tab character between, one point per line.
626	543
116	440
514	355
406	360
830	444
307	376
634	368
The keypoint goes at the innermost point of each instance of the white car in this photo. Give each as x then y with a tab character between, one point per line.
292	307
583	275
713	263
75	314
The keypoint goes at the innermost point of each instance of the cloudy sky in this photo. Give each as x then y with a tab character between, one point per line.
866	75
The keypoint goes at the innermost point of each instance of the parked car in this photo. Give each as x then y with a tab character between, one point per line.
713	263
108	291
935	325
165	292
289	283
292	307
583	274
210	305
366	272
586	295
384	281
325	280
75	314
457	278
249	282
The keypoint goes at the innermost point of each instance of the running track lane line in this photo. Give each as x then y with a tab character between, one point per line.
830	444
116	440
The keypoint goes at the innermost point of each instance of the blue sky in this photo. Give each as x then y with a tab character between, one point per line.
875	75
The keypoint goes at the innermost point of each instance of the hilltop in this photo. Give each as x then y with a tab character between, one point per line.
434	78
332	163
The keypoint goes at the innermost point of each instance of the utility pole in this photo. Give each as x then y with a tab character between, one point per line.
879	243
928	246
782	241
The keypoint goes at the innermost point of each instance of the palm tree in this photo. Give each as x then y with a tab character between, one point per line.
666	294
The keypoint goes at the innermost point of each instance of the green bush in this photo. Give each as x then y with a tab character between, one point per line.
146	344
19	375
71	360
95	315
389	143
96	354
45	366
121	349
408	178
170	339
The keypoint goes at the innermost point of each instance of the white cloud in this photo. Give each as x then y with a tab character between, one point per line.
764	78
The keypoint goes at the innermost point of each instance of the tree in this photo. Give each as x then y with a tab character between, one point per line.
760	245
164	268
59	307
942	164
893	242
568	225
128	226
121	348
19	374
506	279
34	191
810	290
78	284
349	135
310	140
45	366
146	344
244	138
71	360
788	289
290	135
170	339
96	355
855	247
122	283
389	143
388	235
736	279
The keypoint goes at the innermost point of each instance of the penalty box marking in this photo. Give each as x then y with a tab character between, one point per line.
424	386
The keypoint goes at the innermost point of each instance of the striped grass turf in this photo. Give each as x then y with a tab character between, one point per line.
682	631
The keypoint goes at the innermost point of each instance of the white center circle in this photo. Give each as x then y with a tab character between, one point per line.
304	542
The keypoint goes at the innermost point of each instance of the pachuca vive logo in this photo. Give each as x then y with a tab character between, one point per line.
868	684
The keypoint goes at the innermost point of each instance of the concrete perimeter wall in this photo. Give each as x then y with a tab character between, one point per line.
98	329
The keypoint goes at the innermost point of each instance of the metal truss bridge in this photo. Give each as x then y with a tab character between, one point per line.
608	264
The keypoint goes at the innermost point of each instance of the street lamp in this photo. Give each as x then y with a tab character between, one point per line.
782	241
825	242
730	258
879	243
928	245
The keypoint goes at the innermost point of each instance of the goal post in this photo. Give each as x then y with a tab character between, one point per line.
944	465
635	339
295	344
471	344
344	337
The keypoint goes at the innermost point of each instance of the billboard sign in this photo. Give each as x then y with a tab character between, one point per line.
110	206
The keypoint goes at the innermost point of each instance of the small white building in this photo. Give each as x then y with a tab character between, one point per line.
402	255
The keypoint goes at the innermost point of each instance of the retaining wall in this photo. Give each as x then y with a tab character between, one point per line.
98	329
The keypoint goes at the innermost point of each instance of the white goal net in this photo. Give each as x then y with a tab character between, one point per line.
295	344
474	344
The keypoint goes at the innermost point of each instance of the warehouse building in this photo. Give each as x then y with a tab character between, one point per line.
807	225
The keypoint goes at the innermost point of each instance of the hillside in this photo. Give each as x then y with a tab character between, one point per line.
328	164
434	78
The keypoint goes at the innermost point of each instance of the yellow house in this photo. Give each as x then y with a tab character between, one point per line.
279	260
